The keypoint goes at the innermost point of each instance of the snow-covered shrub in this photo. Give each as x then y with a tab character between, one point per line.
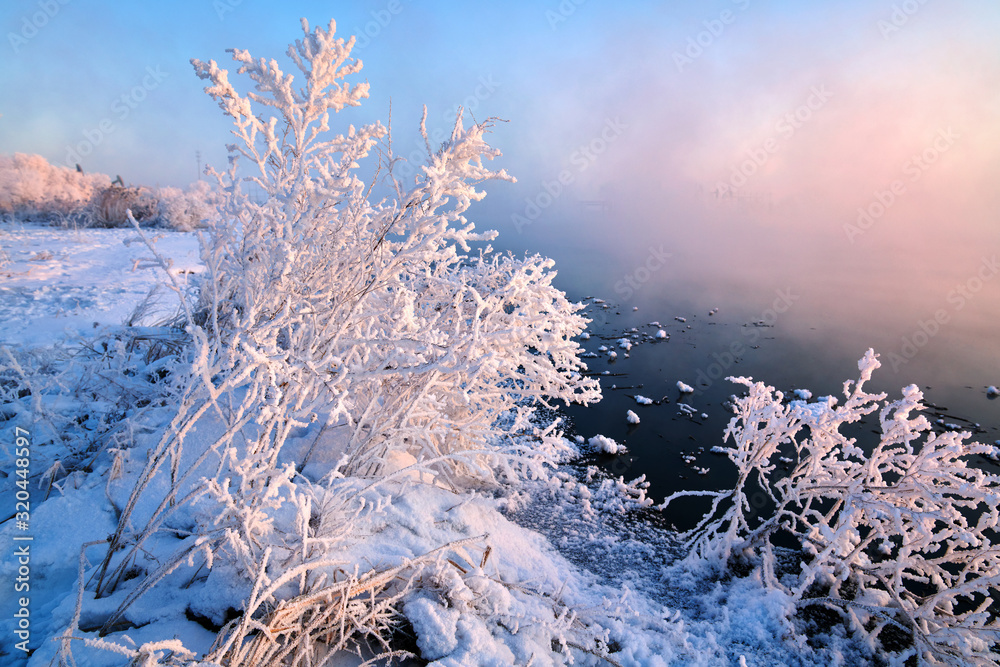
323	309
111	205
190	209
904	535
182	210
31	187
375	313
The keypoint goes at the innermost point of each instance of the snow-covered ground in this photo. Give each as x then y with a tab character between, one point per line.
62	283
570	557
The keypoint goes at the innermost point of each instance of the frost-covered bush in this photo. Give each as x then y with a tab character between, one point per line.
110	206
34	190
369	324
374	314
30	186
190	209
904	535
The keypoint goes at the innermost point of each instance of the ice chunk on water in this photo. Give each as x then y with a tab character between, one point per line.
605	444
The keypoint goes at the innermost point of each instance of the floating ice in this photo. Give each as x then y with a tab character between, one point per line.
685	388
605	444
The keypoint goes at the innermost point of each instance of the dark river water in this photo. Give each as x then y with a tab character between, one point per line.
793	307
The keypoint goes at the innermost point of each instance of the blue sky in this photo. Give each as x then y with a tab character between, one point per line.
692	88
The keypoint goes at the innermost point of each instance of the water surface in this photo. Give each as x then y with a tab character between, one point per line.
782	296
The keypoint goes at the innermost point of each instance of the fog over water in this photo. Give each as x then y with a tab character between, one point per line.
797	309
822	155
833	184
920	285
